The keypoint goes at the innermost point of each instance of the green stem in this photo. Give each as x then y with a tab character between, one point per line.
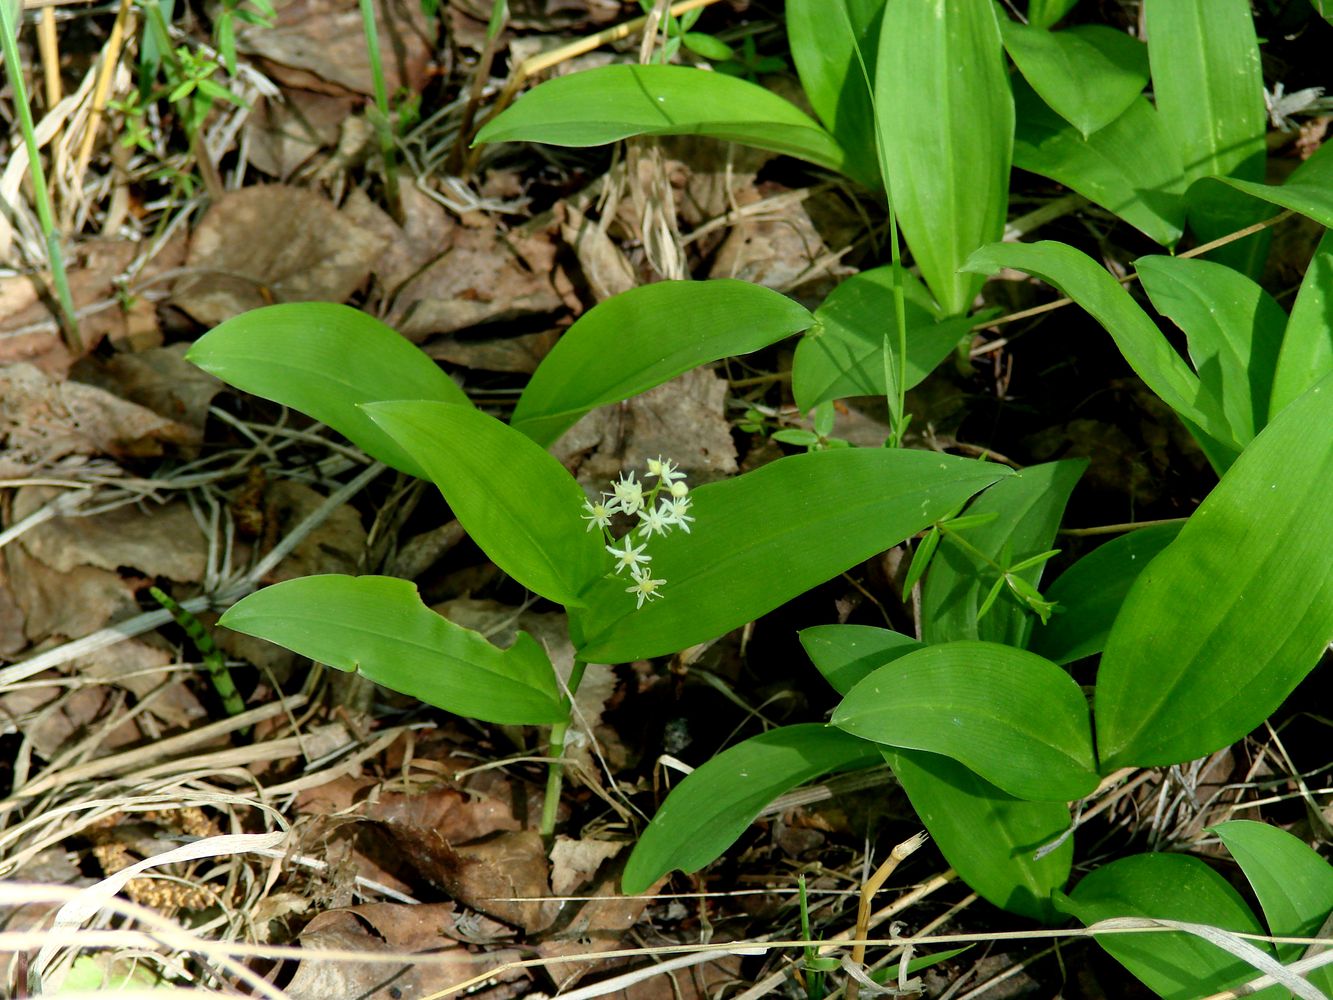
555	770
383	126
41	195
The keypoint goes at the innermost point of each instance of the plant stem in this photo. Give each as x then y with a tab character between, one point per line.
42	197
555	770
383	127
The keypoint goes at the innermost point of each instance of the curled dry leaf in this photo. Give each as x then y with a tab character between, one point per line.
605	268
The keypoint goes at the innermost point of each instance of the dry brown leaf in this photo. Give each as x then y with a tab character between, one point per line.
426	233
336	546
130	664
272	243
605	268
65	605
500	354
50	716
286	131
340	930
159	378
575	862
12	636
775	252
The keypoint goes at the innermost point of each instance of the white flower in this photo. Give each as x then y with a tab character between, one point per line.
629	556
599	511
665	468
655	520
645	588
629	493
676	510
679	490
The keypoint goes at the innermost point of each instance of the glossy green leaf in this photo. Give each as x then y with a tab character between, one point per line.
768	536
847	654
1131	167
823	47
1308	191
1148	352
645	336
599	106
946	130
1293	884
515	499
1015	719
1089	74
843	354
378	627
1174	965
707	811
989	837
1236	611
1045	13
1234	330
1090	592
1028	506
1307	347
325	360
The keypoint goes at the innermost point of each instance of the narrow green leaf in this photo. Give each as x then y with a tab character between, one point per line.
603	105
766	537
843	354
1175	966
645	336
1308	191
707	811
1131	167
377	626
515	499
1028	507
988	836
925	551
1307	347
325	360
946	129
1089	74
1234	330
1015	719
1227	620
847	654
1090	592
1045	13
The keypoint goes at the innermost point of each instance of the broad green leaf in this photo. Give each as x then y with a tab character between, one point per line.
1234	330
1236	611
1307	347
843	353
1131	167
1090	592
988	836
1029	506
847	654
1045	13
1015	719
1308	191
645	336
378	627
823	47
768	536
707	811
515	499
1293	884
326	360
1174	965
946	130
603	105
1148	352
1089	74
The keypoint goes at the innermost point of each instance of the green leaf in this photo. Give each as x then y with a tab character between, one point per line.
847	654
1307	347
1308	191
707	46
1091	592
707	811
1028	506
1175	966
768	536
1045	13
377	626
603	105
1089	74
1293	884
325	360
1234	330
1013	718
843	354
645	336
1236	611
989	837
946	128
515	499
1148	352
1131	167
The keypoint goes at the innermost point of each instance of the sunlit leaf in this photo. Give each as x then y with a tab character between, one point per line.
1307	348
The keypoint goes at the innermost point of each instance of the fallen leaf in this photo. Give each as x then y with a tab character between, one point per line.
522	353
284	132
65	605
159	378
335	546
605	268
426	233
575	862
780	250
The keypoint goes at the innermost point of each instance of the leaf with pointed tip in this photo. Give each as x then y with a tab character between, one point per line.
1308	191
1044	13
847	654
1307	346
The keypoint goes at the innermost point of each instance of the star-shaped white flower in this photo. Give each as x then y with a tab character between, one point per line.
655	520
677	511
629	493
665	468
599	511
645	587
629	556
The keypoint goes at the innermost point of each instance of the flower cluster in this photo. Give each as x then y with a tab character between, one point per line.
663	507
